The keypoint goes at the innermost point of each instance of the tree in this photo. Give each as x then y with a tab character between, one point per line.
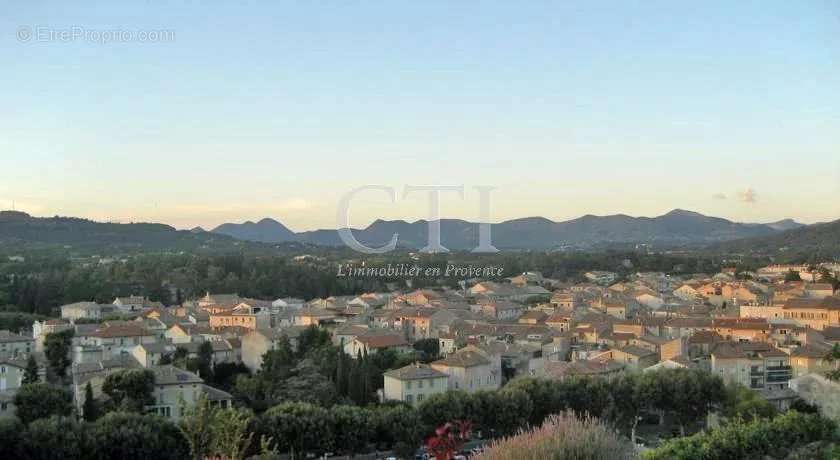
353	427
205	361
196	424
40	400
299	428
628	401
31	373
57	350
792	276
225	374
130	389
753	439
231	435
134	436
307	384
833	356
90	409
55	438
429	347
744	404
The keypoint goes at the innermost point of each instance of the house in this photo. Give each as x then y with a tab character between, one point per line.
314	317
532	317
375	341
86	310
688	291
741	329
562	370
257	343
288	302
11	378
40	330
111	341
527	278
701	343
603	278
558	349
210	300
176	390
665	348
470	369
12	344
422	322
819	290
184	333
133	304
685	327
347	333
150	354
756	365
560	320
502	310
564	300
808	359
650	300
813	312
632	357
414	383
240	318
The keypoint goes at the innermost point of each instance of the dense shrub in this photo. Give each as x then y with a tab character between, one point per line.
753	439
561	437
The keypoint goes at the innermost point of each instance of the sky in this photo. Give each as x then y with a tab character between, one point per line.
204	112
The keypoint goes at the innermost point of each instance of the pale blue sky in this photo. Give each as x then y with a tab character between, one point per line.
278	108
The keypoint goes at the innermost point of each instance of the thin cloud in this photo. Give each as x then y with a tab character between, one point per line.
719	196
748	196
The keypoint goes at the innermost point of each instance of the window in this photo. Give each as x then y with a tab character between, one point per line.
420	384
419	398
409	398
408	385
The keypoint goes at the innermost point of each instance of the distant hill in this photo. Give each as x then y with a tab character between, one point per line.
20	230
785	225
264	231
823	239
678	227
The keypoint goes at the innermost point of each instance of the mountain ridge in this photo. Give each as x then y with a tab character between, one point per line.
677	227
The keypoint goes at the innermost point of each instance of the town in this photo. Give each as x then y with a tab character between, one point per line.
773	332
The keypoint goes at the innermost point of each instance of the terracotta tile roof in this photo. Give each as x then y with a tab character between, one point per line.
415	372
464	358
830	303
382	340
734	350
701	337
122	330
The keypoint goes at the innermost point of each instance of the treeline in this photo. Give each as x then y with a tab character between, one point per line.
321	373
44	282
39	286
114	428
757	438
115	435
683	395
